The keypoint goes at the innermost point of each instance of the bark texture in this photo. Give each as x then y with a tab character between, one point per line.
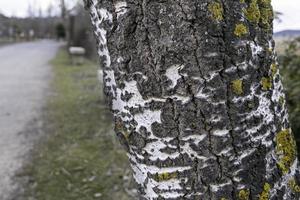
197	97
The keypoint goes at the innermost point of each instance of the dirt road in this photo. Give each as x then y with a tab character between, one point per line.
24	79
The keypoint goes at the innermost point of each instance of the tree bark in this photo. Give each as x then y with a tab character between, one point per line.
197	97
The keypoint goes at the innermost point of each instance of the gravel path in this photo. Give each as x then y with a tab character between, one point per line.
24	78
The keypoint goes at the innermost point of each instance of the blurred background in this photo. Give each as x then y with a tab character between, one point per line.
73	151
53	19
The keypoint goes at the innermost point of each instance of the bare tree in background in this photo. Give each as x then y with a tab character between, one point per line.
197	98
50	10
30	11
277	16
63	8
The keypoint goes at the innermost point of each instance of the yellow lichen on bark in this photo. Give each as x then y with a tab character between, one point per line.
273	69
244	194
252	13
265	195
237	86
259	11
285	150
240	30
216	10
266	12
266	83
294	186
166	176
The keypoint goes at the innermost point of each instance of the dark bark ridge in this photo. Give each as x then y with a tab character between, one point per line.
197	97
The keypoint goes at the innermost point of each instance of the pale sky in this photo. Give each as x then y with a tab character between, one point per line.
289	8
291	14
20	7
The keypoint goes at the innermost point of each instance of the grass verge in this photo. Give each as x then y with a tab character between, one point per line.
79	159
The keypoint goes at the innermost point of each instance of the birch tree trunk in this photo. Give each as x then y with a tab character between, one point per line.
197	98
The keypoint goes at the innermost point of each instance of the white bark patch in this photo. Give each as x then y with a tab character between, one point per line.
263	110
278	96
105	15
245	154
277	91
140	172
225	152
231	69
212	75
269	164
134	102
119	106
183	99
110	81
195	138
120	8
200	94
154	150
173	74
120	59
99	17
215	118
186	149
256	49
147	118
243	66
172	195
220	133
212	54
216	188
173	183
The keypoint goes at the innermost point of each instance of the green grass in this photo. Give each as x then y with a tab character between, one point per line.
5	41
79	159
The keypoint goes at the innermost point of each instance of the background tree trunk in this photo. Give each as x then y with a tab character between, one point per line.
197	97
